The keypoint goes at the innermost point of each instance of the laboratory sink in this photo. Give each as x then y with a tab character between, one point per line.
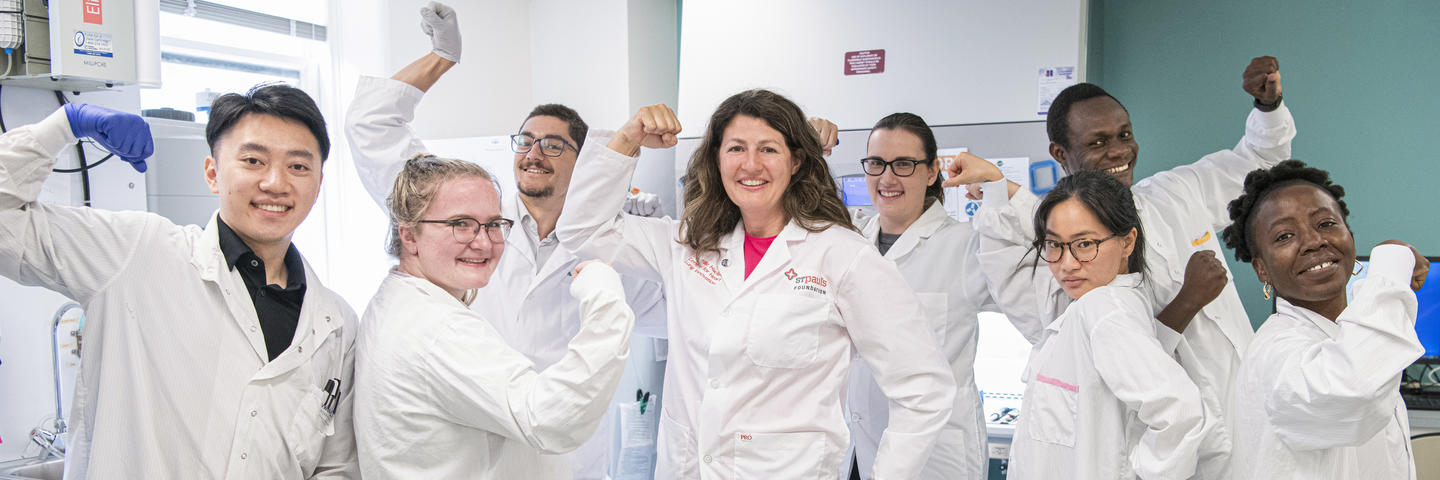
31	469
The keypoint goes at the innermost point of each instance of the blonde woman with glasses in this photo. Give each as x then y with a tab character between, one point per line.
439	393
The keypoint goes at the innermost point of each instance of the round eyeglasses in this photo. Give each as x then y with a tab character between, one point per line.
466	229
550	146
903	166
1083	249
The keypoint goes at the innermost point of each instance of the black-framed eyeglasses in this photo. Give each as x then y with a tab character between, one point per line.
903	166
550	145
1083	249
466	229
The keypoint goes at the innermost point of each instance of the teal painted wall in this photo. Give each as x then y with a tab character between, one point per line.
1361	78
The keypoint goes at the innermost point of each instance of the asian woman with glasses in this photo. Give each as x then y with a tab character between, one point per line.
440	394
1104	397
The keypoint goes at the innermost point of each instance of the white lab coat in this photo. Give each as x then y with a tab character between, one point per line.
1182	211
527	303
441	395
936	255
175	379
757	366
1103	397
1320	400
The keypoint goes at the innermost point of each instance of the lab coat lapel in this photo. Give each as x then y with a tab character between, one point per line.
925	226
209	261
1331	329
732	260
519	246
777	256
318	320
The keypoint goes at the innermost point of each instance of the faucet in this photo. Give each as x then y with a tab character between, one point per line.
51	440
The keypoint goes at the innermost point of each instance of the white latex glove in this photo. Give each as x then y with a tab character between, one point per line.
438	21
642	204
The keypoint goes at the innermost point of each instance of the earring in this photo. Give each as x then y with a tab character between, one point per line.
1357	272
1266	290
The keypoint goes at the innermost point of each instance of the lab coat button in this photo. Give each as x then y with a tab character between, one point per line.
254	413
254	263
714	384
244	456
708	459
854	417
252	328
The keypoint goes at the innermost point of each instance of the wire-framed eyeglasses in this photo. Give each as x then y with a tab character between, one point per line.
1083	249
903	166
466	229
550	145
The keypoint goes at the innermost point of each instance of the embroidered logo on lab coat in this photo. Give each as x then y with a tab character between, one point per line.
811	283
704	269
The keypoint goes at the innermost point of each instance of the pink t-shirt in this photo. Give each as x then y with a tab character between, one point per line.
755	248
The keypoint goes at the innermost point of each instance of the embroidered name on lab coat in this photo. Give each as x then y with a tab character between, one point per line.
704	269
813	283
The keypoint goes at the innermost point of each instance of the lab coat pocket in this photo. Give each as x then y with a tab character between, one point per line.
935	309
309	428
1051	407
677	446
785	330
794	455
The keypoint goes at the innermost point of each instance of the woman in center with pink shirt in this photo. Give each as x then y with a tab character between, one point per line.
771	292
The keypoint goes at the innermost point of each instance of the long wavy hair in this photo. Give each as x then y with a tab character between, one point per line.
811	199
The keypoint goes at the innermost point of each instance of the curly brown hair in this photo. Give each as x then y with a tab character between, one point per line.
811	199
1239	236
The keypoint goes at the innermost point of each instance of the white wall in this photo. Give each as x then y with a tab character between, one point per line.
954	62
26	382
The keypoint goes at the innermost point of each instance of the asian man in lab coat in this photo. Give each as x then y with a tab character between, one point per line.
528	297
209	353
1183	209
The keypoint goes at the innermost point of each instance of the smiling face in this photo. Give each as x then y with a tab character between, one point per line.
899	200
755	167
1302	247
537	175
1101	138
1069	221
431	251
266	170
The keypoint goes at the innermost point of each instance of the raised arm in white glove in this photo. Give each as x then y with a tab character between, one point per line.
438	21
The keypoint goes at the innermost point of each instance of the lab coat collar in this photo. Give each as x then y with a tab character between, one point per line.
1126	280
209	262
929	222
1286	308
526	243
732	255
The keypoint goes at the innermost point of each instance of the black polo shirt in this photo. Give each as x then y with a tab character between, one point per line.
278	308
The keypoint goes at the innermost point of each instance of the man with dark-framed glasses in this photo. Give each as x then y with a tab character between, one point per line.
528	296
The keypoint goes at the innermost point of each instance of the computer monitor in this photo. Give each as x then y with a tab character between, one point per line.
854	191
1427	318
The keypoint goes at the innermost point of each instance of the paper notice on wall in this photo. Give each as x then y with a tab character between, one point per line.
1052	81
634	448
954	196
1015	169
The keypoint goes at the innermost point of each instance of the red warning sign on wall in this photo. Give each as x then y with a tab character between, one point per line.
92	12
865	62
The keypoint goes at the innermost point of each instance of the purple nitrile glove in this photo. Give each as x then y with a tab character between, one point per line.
124	134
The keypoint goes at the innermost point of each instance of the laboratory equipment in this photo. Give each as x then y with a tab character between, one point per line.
74	45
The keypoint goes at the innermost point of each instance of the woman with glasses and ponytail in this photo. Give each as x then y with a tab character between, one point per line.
1104	398
439	393
939	258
